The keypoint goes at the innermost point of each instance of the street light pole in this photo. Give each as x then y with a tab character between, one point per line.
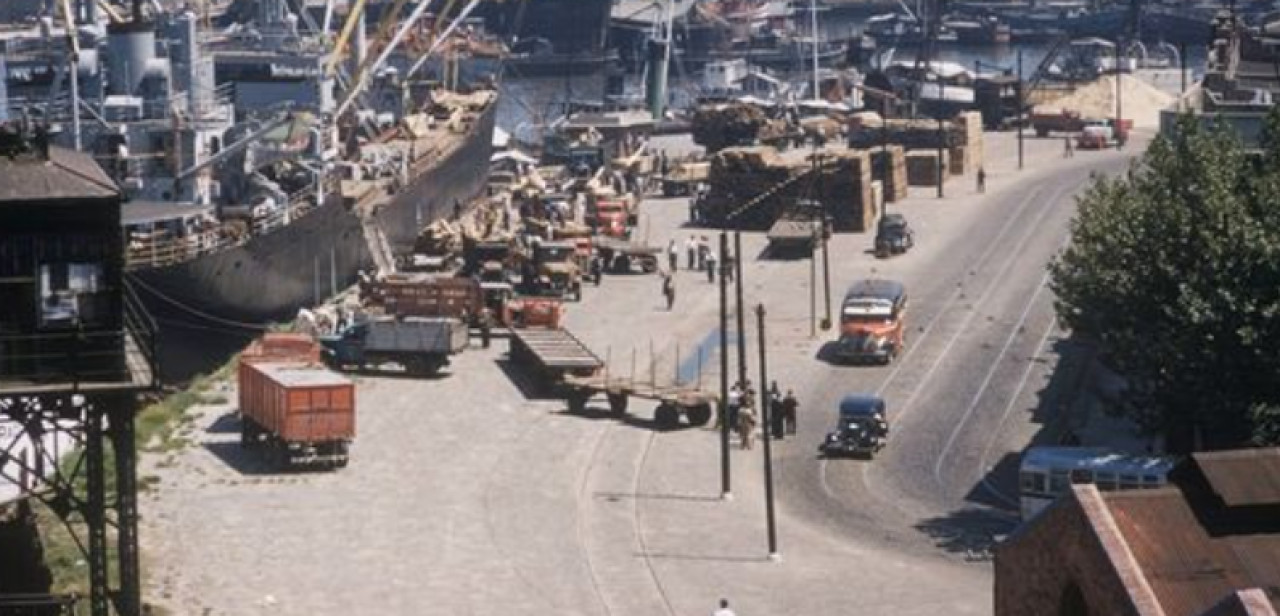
726	491
940	151
767	421
737	288
1022	108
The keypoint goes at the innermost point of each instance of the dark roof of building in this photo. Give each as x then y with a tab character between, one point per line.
1242	477
64	174
1190	570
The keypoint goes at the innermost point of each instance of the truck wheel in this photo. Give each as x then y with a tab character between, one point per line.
698	414
618	403
666	416
649	266
577	401
248	432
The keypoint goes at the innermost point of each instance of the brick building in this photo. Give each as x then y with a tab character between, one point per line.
1207	544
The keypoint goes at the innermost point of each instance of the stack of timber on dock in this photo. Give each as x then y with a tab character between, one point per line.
889	166
752	187
922	167
967	155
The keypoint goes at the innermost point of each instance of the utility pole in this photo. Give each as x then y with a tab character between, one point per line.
1022	108
813	288
767	421
726	492
737	287
826	267
1119	87
941	140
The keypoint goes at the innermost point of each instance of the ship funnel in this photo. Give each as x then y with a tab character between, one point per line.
131	47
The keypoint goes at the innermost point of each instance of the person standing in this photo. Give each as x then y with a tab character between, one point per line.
673	256
691	249
777	423
486	332
597	268
729	267
710	264
982	180
789	407
724	609
1068	149
669	290
746	425
703	249
734	404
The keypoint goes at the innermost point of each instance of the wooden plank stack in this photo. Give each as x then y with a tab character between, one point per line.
922	167
889	165
742	175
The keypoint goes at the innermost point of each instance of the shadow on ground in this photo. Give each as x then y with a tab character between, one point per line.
971	533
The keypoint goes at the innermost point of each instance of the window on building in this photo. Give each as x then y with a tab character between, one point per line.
71	295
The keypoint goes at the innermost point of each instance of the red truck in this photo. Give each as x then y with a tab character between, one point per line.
461	298
298	412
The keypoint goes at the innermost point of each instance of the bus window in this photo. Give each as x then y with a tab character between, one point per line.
1081	475
1129	482
1105	481
1033	482
1058	481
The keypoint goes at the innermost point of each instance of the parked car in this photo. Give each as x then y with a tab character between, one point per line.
893	235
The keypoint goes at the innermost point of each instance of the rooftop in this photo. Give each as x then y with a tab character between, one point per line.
63	174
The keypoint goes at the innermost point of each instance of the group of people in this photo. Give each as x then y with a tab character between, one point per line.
741	406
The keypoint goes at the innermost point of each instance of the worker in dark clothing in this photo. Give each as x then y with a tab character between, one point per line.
485	329
669	290
982	180
789	407
597	269
777	423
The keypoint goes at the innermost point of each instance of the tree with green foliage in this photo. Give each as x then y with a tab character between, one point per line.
1174	270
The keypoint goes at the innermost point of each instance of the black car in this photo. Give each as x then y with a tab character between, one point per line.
862	428
893	235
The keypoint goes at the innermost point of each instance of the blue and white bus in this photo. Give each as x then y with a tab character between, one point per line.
1046	472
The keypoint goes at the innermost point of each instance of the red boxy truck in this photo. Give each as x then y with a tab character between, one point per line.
292	407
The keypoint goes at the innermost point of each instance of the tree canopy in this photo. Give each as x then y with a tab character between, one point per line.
1174	269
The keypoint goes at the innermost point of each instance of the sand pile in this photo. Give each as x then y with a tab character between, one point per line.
1139	101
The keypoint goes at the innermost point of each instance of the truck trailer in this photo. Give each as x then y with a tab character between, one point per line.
299	413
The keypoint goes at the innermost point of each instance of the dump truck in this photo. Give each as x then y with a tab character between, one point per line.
421	345
297	413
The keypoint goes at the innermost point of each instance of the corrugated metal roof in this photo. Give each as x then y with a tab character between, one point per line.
66	174
1189	570
1243	476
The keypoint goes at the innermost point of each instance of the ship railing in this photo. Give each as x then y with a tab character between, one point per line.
161	251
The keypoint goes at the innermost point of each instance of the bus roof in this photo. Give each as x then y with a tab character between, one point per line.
1094	458
888	289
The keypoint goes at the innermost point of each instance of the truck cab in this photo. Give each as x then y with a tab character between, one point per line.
872	318
557	268
611	218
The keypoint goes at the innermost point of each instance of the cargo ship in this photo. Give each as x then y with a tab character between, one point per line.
247	199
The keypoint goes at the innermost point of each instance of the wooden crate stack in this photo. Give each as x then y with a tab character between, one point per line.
968	158
922	167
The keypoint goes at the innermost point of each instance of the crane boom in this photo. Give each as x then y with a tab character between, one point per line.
340	45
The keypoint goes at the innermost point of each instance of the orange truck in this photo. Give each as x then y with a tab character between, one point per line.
872	322
291	407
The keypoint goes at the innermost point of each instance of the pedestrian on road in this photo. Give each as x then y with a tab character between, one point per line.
724	609
669	290
729	267
789	407
691	249
485	331
777	423
597	268
711	266
746	425
982	180
673	255
1069	150
735	403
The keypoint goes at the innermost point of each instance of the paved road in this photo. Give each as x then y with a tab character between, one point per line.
469	494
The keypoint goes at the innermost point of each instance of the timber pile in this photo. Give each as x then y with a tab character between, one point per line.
869	131
967	156
438	239
721	126
740	175
922	167
889	166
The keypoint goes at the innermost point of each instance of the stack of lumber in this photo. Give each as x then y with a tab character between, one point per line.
871	132
922	167
740	176
889	166
966	156
721	126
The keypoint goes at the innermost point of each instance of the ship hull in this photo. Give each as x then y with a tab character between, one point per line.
211	306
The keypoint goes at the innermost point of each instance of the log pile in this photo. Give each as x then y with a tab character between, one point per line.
721	126
740	175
